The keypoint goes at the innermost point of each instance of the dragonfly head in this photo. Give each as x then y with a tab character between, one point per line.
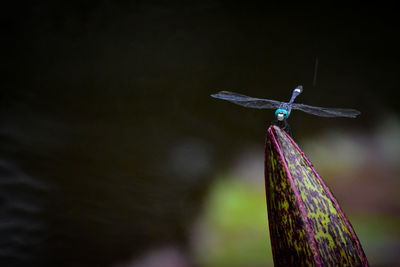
281	114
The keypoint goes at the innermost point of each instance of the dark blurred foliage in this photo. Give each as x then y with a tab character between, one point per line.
105	110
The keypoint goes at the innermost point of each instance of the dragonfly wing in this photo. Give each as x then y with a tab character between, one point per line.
247	101
327	112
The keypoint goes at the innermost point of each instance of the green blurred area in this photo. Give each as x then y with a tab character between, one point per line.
233	230
380	238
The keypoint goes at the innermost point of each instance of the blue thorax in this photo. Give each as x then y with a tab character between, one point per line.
285	108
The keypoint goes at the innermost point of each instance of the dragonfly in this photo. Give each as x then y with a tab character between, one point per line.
283	109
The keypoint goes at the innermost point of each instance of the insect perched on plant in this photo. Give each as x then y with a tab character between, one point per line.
283	109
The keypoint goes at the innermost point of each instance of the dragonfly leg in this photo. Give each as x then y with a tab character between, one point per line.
284	125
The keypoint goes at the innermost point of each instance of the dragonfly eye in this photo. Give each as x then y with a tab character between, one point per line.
281	114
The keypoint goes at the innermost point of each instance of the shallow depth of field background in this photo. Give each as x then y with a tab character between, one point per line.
114	154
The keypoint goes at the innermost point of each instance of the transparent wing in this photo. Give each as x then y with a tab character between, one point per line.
247	101
327	112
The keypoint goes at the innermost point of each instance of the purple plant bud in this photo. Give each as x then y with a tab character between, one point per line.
306	224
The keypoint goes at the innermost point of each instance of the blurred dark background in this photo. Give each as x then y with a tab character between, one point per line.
110	142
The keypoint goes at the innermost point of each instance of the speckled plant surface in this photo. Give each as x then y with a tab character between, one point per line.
307	226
